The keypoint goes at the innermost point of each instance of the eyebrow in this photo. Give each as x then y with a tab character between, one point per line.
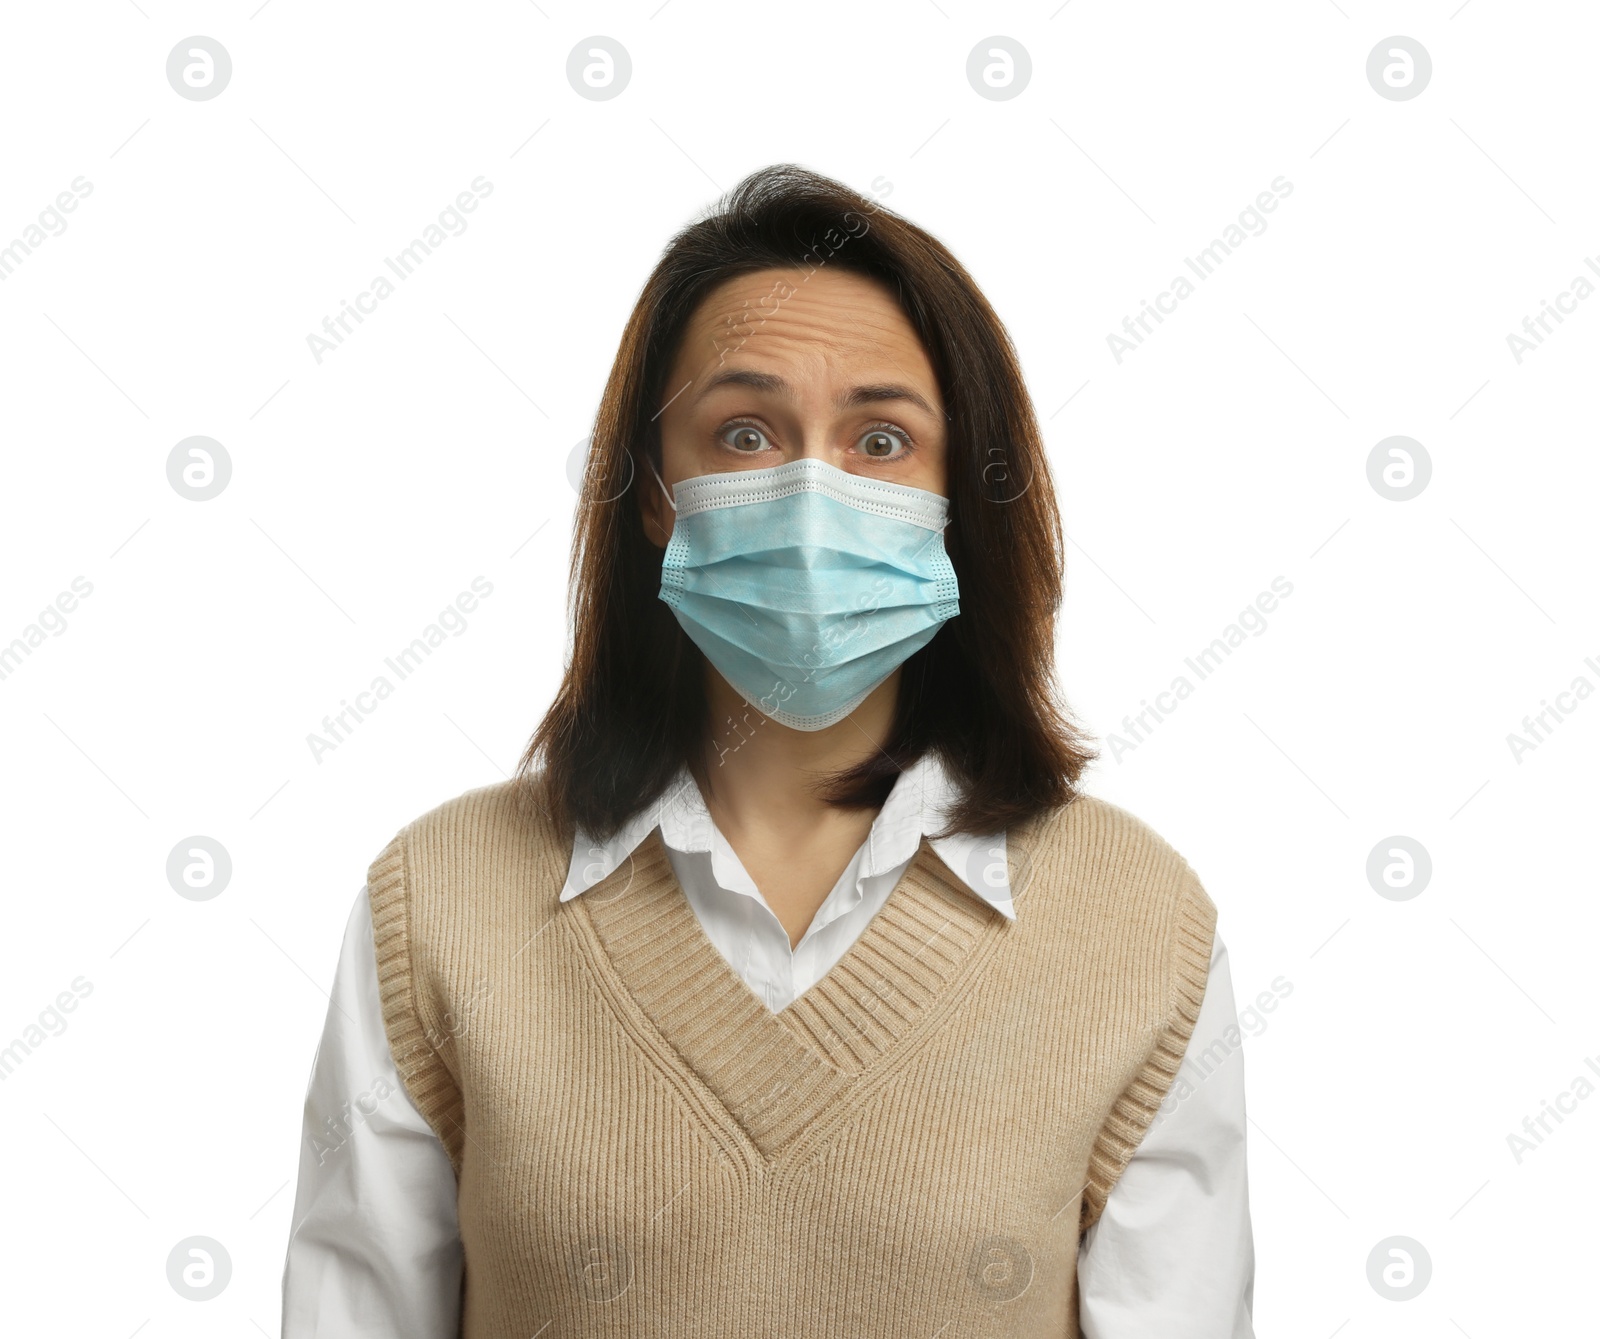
856	395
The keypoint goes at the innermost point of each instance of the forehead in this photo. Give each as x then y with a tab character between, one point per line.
833	317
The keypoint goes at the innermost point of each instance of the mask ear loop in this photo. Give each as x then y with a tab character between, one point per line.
661	485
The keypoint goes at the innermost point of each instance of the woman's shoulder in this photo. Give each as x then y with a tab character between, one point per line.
498	825
1098	840
1104	875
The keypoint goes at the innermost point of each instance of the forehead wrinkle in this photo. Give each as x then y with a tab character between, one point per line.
807	332
763	306
822	323
866	393
814	334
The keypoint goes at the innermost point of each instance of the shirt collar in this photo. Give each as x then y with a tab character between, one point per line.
915	807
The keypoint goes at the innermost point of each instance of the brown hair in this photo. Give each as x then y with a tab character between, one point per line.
631	708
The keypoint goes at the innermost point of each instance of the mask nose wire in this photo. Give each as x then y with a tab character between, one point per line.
662	486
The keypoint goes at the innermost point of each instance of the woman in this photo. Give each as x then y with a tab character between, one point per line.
792	987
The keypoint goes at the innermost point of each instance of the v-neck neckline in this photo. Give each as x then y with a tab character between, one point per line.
779	1076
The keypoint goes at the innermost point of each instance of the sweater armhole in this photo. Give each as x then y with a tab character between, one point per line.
423	1070
1191	932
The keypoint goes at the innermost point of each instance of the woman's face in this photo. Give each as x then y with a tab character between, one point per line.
775	366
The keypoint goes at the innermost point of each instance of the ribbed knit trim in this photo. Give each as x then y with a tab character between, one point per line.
433	1088
778	1075
786	1080
1192	926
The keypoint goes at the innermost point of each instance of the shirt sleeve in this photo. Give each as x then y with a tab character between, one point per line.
374	1249
1172	1252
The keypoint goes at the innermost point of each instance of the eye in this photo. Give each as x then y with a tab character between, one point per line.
744	437
883	441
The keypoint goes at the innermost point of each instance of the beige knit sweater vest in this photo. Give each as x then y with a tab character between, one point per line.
912	1148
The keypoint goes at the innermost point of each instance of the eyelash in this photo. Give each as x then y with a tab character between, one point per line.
888	429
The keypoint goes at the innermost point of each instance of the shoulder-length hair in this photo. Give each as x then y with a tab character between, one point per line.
631	709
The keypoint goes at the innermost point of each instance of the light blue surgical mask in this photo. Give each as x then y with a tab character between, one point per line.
804	585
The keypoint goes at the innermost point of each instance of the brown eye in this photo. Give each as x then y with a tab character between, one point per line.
881	445
743	437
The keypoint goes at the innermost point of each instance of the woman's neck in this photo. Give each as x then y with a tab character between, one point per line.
761	775
759	791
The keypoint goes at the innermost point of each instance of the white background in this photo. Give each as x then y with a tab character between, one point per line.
433	447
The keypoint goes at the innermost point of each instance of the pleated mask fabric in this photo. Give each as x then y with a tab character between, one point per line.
807	586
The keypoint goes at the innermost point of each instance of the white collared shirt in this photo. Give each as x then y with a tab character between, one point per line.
375	1251
737	919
